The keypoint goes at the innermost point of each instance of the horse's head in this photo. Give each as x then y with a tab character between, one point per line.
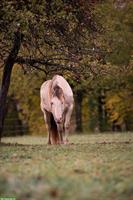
57	104
57	109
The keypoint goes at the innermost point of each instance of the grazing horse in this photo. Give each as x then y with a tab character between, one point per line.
57	105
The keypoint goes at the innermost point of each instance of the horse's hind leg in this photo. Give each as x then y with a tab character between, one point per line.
67	123
49	139
61	137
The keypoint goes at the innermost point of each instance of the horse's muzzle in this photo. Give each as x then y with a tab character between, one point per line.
59	121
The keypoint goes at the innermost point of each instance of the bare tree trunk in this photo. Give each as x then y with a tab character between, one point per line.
102	118
7	75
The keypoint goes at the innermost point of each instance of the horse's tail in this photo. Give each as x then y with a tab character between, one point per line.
54	132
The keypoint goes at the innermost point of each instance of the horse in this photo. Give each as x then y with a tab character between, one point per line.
57	105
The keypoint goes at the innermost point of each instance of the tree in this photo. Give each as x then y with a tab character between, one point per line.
63	20
7	75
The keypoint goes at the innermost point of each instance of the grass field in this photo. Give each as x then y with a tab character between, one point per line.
91	167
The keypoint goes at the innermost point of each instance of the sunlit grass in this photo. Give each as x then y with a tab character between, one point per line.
93	166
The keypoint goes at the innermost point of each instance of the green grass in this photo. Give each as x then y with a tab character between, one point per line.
98	166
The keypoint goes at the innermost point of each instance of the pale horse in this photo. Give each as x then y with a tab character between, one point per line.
57	105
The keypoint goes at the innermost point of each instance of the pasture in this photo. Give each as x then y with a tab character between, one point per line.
94	167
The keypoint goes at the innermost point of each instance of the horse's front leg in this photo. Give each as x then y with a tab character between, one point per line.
60	133
48	125
67	123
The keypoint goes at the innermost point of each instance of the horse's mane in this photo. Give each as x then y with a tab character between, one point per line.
57	91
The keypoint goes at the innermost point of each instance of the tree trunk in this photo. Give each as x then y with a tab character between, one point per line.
78	110
102	118
7	75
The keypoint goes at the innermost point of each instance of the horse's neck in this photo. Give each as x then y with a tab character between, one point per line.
57	82
63	84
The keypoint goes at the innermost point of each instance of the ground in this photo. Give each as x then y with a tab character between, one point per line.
91	167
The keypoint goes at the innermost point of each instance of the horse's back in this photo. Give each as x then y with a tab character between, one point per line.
63	84
48	86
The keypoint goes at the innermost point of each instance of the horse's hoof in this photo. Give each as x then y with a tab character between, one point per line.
49	143
62	142
66	141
